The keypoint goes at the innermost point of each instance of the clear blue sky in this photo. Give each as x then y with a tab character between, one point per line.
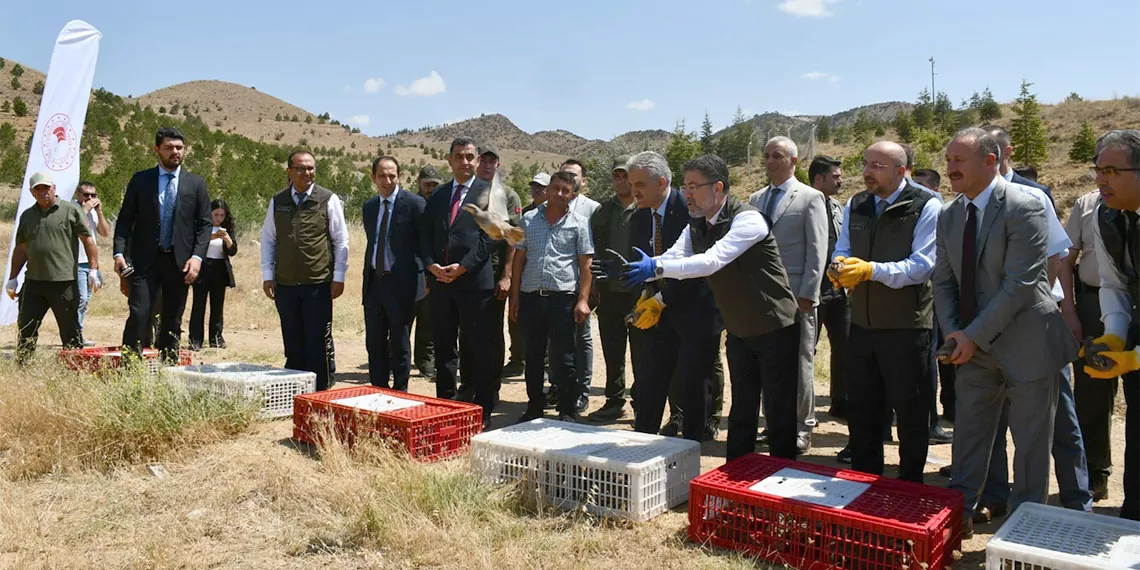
597	68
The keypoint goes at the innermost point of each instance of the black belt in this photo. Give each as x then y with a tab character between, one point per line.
548	292
166	250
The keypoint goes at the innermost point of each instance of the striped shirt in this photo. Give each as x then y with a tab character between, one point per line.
552	251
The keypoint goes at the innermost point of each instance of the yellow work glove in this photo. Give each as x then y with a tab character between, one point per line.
1113	342
833	271
854	272
1123	362
646	313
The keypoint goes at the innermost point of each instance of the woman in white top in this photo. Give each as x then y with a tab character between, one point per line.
217	274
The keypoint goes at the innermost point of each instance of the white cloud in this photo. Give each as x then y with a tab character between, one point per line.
360	120
820	76
807	8
373	84
642	105
423	87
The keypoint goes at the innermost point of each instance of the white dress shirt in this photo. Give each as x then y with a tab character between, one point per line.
919	265
338	232
1115	298
679	262
391	200
771	202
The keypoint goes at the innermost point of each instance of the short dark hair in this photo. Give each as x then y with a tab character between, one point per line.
167	133
576	162
295	154
987	143
566	177
85	184
460	141
999	134
929	173
227	222
822	164
1029	172
377	161
711	166
909	150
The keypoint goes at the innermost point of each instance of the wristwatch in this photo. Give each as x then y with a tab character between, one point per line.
659	271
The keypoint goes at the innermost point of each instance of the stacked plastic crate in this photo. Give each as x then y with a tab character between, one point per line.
272	389
1041	537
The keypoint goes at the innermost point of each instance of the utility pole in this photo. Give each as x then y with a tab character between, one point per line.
933	93
750	138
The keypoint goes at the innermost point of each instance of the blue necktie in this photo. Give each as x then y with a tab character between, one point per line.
167	222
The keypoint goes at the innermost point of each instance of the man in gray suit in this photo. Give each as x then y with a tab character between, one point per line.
993	300
798	215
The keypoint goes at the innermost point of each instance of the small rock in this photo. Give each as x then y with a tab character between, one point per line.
156	470
196	514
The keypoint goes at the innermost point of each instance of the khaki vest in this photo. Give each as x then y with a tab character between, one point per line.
888	238
752	292
304	247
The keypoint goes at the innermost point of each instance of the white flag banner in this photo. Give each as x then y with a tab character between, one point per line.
55	143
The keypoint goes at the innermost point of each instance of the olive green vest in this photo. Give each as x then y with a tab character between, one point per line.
304	247
752	292
888	238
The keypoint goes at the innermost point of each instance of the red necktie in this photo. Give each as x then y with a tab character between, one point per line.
455	204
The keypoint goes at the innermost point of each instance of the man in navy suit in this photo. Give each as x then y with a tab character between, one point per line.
162	231
393	274
681	322
458	257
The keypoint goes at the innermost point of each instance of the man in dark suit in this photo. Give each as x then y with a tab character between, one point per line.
393	274
164	228
458	254
680	319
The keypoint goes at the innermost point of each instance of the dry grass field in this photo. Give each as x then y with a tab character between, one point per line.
76	490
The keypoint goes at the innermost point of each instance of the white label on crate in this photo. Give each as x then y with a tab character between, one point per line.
811	488
378	403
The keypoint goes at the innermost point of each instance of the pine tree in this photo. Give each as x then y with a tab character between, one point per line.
1028	130
923	113
823	131
682	147
987	108
707	144
904	127
19	107
1084	146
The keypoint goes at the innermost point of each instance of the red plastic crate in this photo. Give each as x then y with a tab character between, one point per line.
98	358
893	524
436	430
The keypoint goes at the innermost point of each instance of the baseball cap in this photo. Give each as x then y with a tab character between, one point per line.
489	148
619	162
542	179
40	179
429	173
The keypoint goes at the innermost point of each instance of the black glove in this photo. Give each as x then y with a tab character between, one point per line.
611	269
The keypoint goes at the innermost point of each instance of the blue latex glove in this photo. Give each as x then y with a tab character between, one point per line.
640	271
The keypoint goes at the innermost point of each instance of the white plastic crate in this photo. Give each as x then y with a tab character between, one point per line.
607	472
1041	537
274	388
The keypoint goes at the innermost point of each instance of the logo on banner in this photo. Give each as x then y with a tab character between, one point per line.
58	142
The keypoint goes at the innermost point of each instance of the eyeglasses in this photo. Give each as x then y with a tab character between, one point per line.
1109	171
88	194
693	187
304	169
874	165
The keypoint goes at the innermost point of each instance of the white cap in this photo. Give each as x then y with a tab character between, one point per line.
542	179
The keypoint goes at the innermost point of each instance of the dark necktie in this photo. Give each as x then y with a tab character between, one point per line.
880	208
382	240
455	199
968	305
773	194
658	239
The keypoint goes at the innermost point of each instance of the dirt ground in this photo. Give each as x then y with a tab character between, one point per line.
253	335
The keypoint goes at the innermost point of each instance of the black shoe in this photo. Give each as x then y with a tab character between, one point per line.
674	426
967	529
939	436
1099	490
803	443
762	437
514	368
582	404
944	471
712	428
612	410
573	419
194	346
844	455
218	342
551	399
465	394
529	415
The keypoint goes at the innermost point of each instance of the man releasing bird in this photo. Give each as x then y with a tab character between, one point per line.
490	213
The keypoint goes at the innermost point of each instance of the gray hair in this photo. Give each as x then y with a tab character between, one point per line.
788	144
1127	139
653	163
987	142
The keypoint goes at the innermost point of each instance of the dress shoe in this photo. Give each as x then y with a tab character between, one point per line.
551	399
1099	490
673	426
939	436
967	529
803	443
218	342
465	394
998	510
529	415
573	419
944	471
514	368
712	428
611	411
844	455
762	437
983	515
194	346
582	404
486	423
